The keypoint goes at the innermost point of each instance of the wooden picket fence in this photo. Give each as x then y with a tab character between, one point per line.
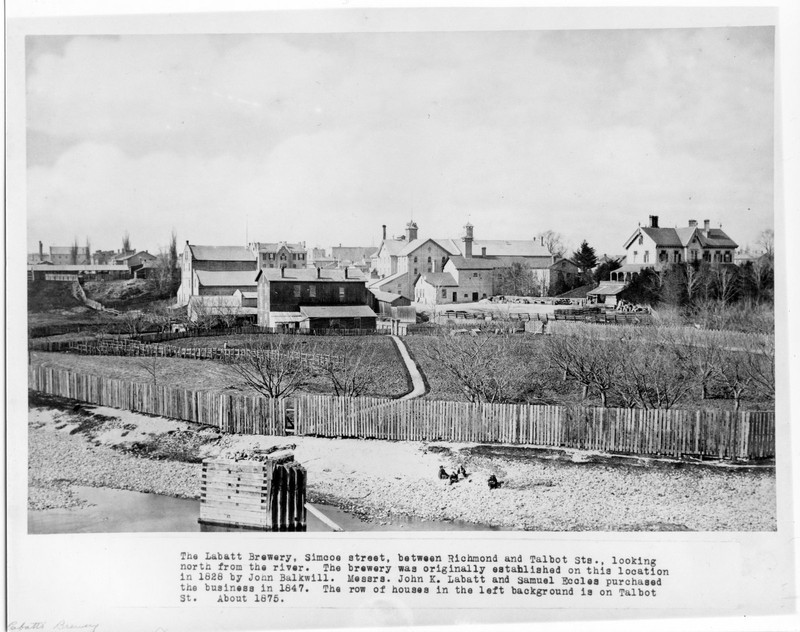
671	433
128	347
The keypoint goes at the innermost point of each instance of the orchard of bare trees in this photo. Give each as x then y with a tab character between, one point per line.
646	367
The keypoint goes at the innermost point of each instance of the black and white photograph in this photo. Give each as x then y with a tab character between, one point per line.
373	275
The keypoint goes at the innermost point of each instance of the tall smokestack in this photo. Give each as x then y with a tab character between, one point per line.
384	232
467	239
41	250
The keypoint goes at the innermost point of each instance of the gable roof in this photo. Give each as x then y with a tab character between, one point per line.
474	263
681	237
337	311
607	288
397	276
511	247
564	263
447	244
438	279
143	253
226	278
221	253
275	246
330	275
391	246
385	297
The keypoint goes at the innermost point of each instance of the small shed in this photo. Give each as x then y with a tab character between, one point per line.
383	302
605	294
338	317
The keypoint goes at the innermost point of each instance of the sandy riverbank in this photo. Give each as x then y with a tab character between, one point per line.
123	450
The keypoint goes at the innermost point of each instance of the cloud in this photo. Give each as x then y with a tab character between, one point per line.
325	137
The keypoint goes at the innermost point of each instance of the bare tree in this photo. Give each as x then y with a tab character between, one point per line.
593	363
273	365
553	241
74	249
726	283
351	369
487	367
657	372
173	254
132	320
767	242
152	365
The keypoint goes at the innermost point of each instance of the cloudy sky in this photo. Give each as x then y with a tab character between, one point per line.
324	137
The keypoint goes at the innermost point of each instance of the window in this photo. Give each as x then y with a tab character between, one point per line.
415	271
283	257
727	257
676	256
646	256
444	293
474	274
312	290
296	291
694	255
429	259
341	292
302	255
272	255
415	259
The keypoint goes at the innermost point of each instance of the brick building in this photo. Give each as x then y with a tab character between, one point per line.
293	298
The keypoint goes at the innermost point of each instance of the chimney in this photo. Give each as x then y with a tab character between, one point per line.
411	231
41	250
706	226
283	271
384	232
654	221
483	251
692	223
467	239
345	272
319	272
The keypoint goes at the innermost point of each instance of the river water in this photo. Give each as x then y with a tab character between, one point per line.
121	511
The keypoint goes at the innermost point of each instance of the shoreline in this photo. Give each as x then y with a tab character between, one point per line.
375	480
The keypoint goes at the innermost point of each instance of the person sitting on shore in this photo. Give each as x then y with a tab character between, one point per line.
454	478
443	473
462	472
494	483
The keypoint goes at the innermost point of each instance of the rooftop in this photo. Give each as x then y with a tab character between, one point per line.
337	311
312	274
226	278
221	253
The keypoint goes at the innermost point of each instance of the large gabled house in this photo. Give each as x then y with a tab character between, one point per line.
230	259
658	248
419	256
280	254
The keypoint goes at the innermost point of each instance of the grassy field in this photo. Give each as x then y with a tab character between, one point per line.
216	376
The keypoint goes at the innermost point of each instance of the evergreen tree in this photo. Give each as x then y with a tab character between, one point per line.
585	258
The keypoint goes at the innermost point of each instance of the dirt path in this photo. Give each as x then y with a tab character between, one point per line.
418	384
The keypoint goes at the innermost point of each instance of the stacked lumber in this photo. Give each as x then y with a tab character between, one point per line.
265	492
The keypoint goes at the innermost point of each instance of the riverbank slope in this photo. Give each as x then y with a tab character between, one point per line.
75	444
